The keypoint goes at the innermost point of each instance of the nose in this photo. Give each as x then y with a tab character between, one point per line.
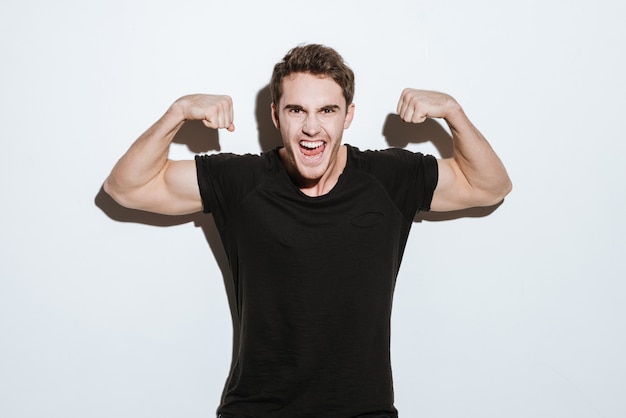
311	125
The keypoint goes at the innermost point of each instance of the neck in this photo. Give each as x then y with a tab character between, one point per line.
320	186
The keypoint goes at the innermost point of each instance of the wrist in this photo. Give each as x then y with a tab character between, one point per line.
454	112
176	111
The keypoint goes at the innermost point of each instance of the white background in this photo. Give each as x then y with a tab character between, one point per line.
106	312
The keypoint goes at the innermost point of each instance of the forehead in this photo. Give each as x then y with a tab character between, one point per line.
306	89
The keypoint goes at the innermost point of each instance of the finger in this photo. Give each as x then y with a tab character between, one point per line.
407	112
231	112
219	114
228	126
227	114
213	118
408	106
402	104
417	116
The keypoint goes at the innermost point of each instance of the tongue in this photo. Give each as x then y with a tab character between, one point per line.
311	152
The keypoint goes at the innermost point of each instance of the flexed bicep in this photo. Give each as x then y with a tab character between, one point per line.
145	178
453	192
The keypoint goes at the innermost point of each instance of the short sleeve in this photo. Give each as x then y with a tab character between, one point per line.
224	179
410	178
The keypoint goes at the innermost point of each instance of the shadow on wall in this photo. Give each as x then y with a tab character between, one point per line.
201	220
399	134
269	135
200	139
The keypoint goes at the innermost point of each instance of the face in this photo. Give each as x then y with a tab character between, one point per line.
311	115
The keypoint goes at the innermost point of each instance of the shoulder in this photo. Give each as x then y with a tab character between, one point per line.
389	160
227	158
230	163
226	178
408	177
230	169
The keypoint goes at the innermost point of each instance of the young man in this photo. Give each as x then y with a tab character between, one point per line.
314	231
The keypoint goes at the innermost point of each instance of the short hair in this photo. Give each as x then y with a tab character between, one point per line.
314	59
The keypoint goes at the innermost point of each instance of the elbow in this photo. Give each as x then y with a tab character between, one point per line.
498	192
117	193
508	188
489	194
110	188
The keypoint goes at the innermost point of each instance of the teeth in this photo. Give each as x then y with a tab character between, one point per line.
311	145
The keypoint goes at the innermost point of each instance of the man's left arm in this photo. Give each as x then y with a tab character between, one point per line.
475	175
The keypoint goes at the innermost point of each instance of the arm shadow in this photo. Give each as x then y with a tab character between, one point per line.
199	139
476	212
400	134
200	220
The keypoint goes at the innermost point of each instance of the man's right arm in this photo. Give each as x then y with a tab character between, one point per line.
145	178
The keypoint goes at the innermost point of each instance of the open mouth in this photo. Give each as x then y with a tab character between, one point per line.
312	148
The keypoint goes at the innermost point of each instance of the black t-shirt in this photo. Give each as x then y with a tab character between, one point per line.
314	279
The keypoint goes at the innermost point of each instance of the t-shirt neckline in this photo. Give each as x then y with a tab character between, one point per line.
342	176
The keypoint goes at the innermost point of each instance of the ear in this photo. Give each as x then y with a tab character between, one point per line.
349	116
275	116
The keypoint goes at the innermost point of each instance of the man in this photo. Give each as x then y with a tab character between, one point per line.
314	231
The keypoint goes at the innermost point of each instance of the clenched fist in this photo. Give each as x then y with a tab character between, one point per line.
215	111
416	106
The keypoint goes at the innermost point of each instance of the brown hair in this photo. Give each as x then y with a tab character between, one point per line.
317	60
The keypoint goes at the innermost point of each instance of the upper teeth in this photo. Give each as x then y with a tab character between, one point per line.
311	145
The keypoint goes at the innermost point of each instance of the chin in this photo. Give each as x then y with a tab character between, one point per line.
309	175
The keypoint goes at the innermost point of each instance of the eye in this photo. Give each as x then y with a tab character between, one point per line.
328	110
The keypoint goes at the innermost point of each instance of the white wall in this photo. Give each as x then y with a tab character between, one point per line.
107	312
